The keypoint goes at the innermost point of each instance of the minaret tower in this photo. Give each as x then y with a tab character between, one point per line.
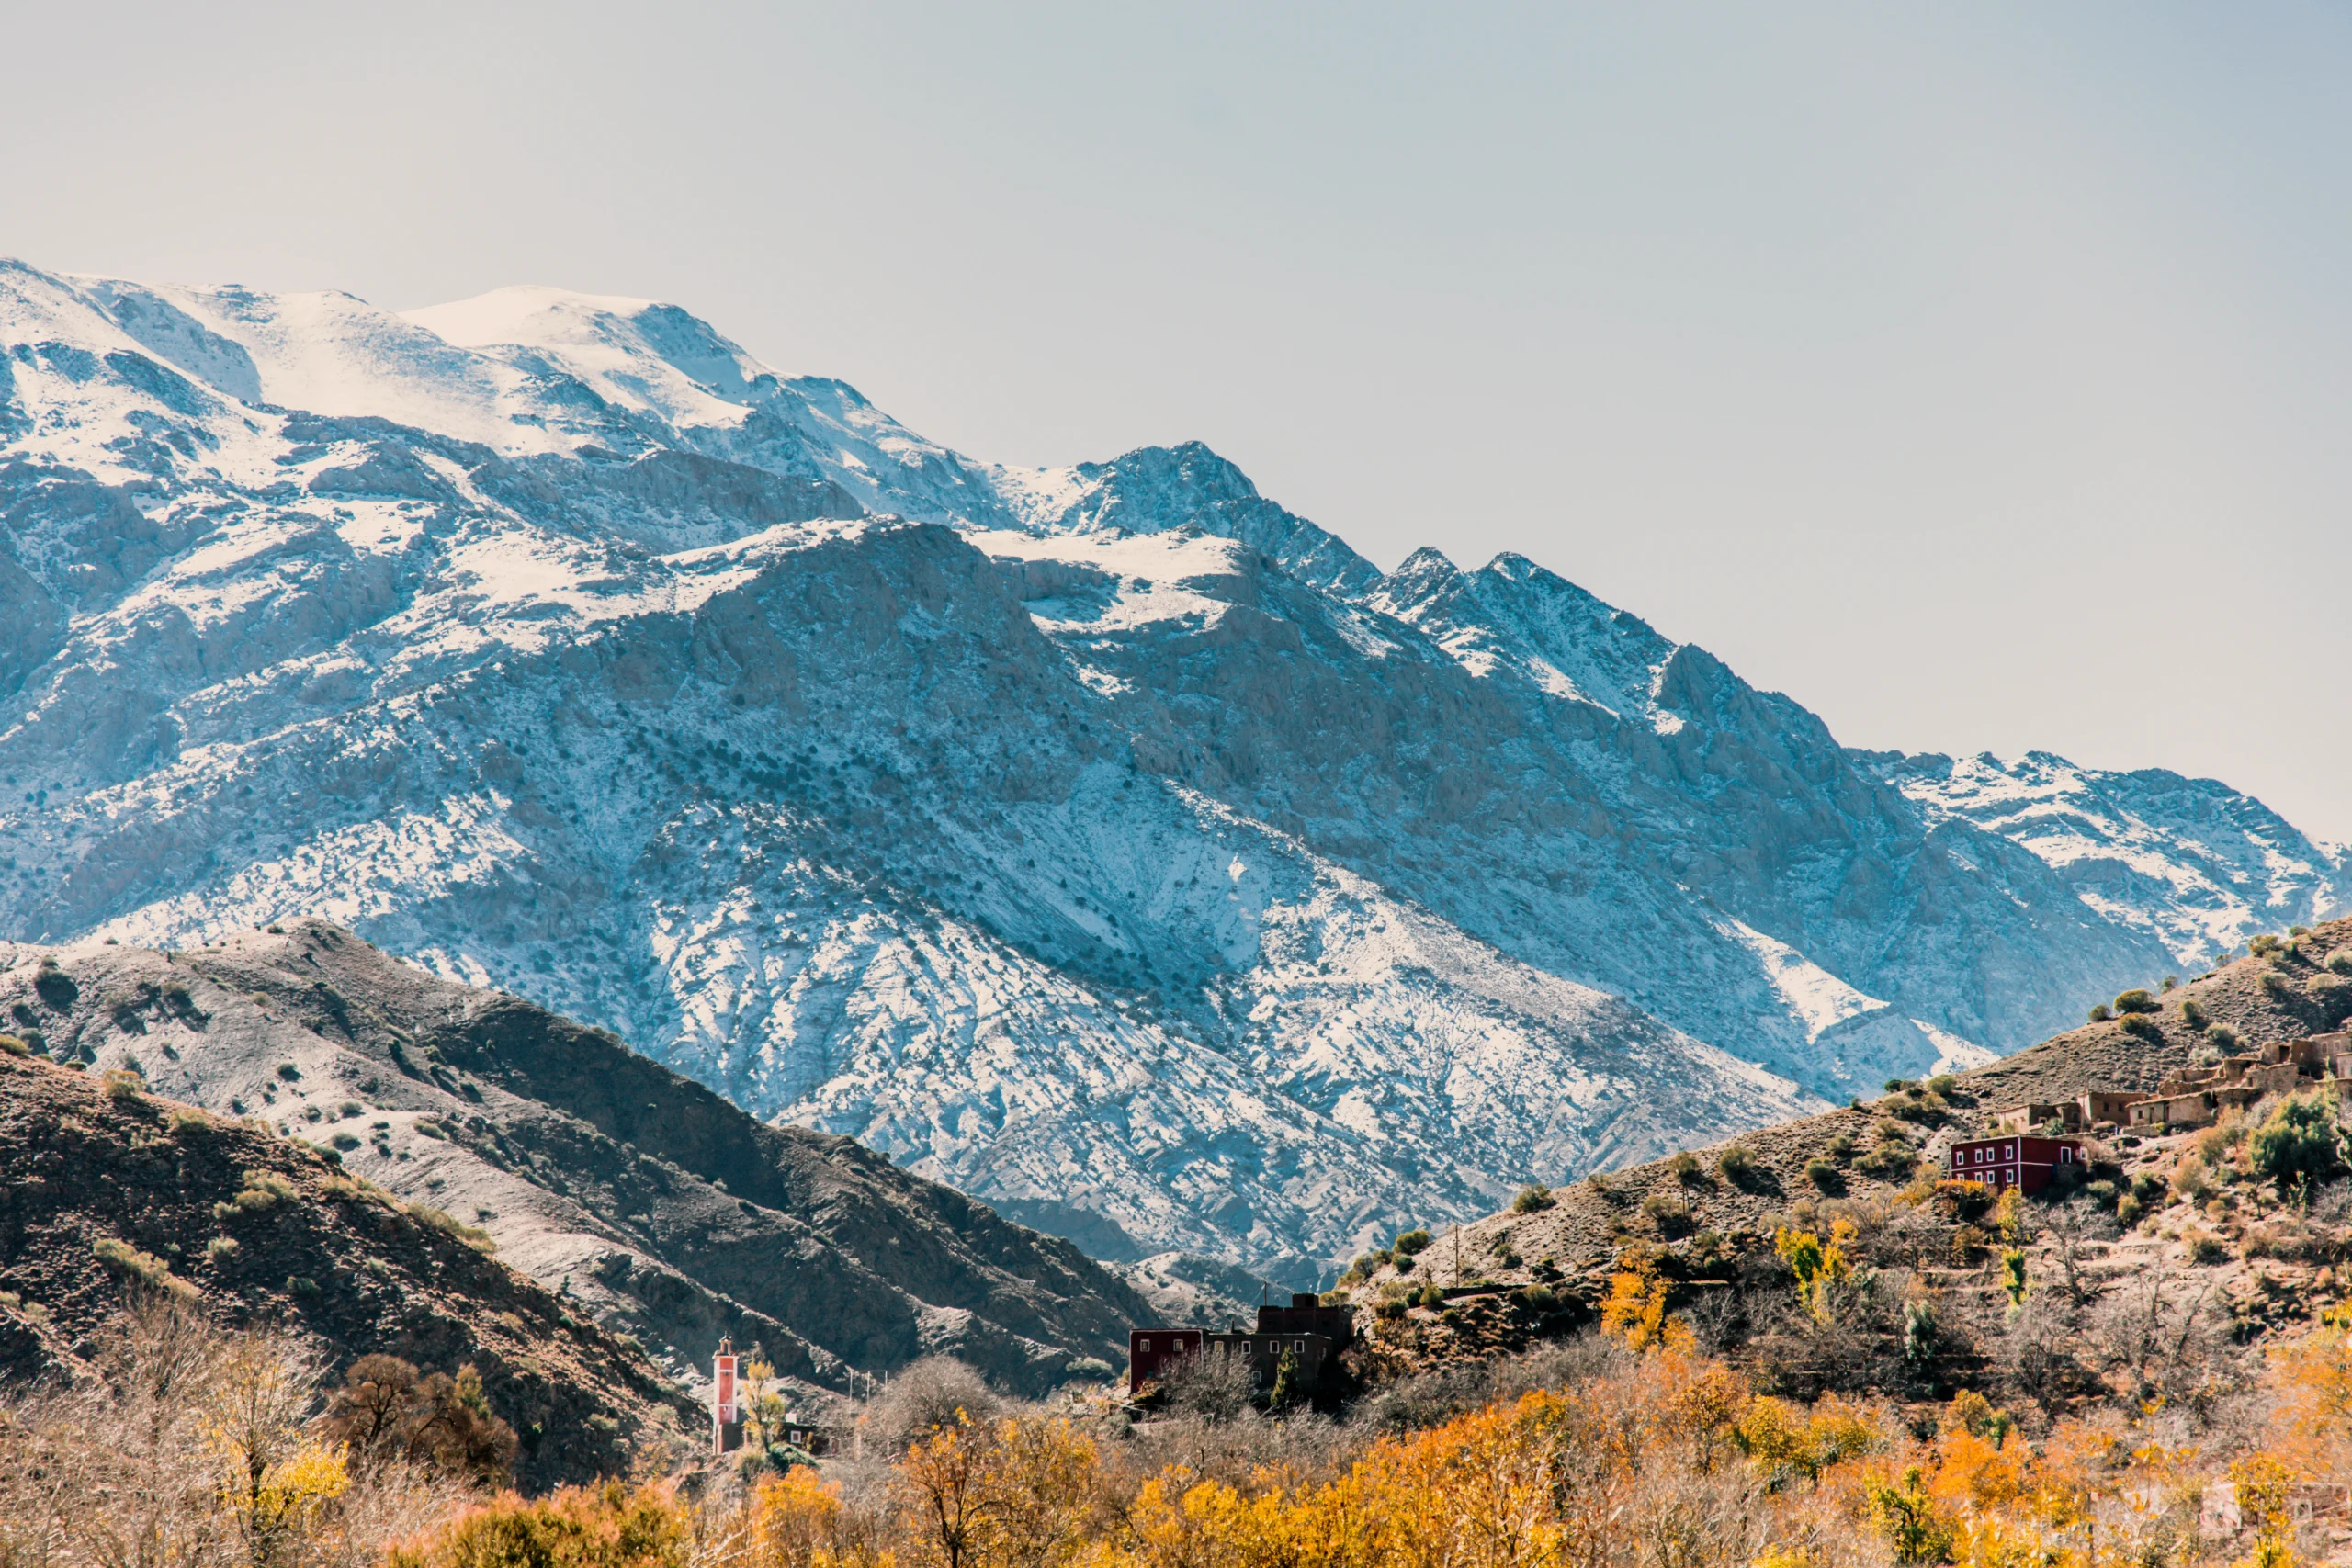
727	1401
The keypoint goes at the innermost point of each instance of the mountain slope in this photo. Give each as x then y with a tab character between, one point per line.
1705	1215
2191	862
1109	843
649	1202
104	1190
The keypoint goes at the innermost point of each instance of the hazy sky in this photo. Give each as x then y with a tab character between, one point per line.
1977	375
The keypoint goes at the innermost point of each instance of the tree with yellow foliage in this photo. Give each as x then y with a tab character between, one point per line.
1634	1309
1822	1266
1014	1493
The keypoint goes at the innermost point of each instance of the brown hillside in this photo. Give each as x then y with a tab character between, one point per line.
1703	1219
105	1193
651	1203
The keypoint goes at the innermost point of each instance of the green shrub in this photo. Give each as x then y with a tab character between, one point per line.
128	1263
186	1120
2299	1146
2192	1014
347	1140
430	1129
1429	1295
11	1046
2204	1249
2340	961
1389	1310
222	1249
2135	1001
2223	1037
2263	944
1413	1242
2274	986
1736	1164
263	1190
121	1084
1942	1084
288	1071
1532	1200
2142	1026
1822	1173
302	1285
2100	1013
1538	1299
1666	1211
1684	1166
449	1225
1893	1157
349	1109
2129	1209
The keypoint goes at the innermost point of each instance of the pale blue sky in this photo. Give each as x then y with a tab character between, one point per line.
1976	374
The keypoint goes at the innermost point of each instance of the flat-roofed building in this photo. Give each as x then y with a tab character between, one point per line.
2025	1163
2112	1106
1306	1331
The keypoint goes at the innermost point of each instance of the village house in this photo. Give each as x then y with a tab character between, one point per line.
1307	1331
2194	1097
2083	1114
2028	1164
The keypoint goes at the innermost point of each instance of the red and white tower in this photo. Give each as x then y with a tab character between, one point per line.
726	1402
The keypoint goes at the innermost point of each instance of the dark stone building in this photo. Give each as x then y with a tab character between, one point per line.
1307	1331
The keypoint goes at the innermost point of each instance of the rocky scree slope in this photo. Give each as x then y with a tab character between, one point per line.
1108	842
110	1195
1709	1220
644	1200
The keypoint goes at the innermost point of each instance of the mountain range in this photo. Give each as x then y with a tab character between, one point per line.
1107	842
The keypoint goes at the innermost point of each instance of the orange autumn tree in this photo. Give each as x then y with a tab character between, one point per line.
1634	1309
1016	1492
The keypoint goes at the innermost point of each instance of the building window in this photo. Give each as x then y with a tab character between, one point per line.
1146	1344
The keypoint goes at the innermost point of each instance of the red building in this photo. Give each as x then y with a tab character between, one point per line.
1152	1351
2014	1160
1307	1331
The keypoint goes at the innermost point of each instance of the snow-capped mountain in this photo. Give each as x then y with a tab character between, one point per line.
2191	862
1109	841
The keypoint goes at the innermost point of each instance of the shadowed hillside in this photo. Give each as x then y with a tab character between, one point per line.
643	1198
